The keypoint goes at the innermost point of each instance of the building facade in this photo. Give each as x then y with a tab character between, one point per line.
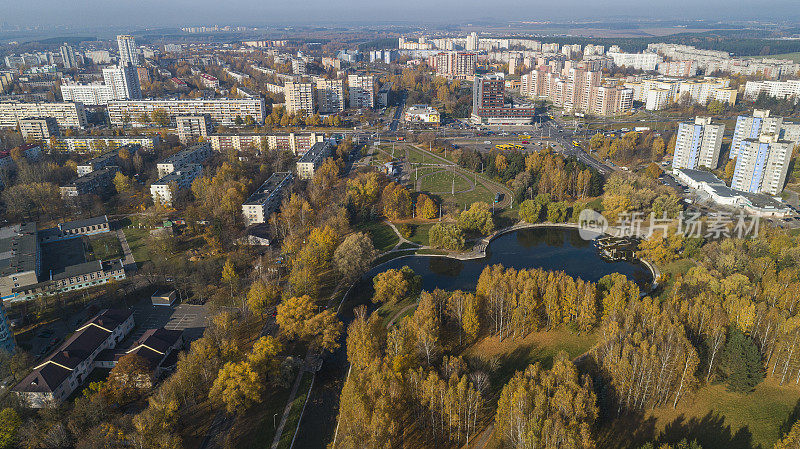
192	127
38	128
312	159
330	96
362	91
762	164
222	111
698	144
266	199
299	97
67	115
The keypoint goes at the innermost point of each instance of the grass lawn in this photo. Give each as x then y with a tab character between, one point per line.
104	247
420	234
294	414
721	419
513	354
255	429
388	311
137	240
444	181
382	235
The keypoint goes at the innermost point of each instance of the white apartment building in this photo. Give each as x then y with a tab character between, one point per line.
751	127
124	82
330	96
67	115
362	91
680	69
38	128
209	81
191	155
87	144
266	199
640	61
298	144
762	164
128	53
299	97
454	64
89	94
68	57
658	99
775	89
222	111
312	159
181	178
698	144
299	66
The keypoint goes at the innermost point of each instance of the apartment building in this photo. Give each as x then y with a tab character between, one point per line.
671	90
124	82
67	115
313	158
192	126
680	69
68	57
208	81
38	128
20	258
95	94
157	346
299	66
330	96
776	89
87	144
194	154
298	144
698	144
454	64
762	164
362	91
128	53
488	103
580	91
222	111
639	61
63	371
96	182
181	178
266	199
299	97
104	160
751	127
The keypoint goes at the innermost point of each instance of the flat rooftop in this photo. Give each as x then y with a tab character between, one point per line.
18	248
268	188
317	151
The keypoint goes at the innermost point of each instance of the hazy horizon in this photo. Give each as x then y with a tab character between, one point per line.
85	13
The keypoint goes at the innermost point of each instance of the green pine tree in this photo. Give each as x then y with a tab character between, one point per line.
741	365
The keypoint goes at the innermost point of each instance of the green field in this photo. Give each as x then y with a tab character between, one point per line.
382	235
104	247
444	182
717	418
420	234
137	240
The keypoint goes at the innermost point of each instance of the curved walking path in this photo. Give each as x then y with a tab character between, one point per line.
400	236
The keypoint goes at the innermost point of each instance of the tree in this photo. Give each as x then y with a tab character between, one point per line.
129	380
10	423
394	285
477	219
237	387
293	314
229	276
354	255
264	357
531	211
161	117
396	201
426	207
548	409
790	441
740	363
446	236
262	296
122	183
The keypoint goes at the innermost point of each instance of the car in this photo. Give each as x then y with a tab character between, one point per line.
498	197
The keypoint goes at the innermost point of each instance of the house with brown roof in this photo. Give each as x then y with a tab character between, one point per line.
68	367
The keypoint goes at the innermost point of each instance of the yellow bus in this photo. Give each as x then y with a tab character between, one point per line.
524	137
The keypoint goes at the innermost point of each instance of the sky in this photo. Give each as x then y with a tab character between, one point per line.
254	12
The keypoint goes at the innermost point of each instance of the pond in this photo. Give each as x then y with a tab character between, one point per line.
549	248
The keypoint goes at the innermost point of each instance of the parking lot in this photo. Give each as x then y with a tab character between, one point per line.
192	319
